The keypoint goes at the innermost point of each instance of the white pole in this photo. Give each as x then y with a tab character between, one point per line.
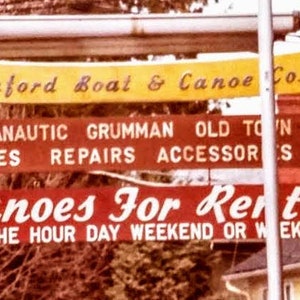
77	26
273	240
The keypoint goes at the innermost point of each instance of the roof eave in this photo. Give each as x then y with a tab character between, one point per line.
256	273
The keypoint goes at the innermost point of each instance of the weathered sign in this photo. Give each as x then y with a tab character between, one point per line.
129	213
142	143
214	76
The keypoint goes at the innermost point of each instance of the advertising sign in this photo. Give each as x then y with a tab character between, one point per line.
142	143
213	76
133	213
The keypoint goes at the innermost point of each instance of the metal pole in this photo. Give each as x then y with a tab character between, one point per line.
95	26
273	240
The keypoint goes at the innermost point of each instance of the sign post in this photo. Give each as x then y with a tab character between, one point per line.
273	247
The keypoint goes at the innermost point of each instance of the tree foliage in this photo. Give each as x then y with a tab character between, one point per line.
47	7
53	271
162	270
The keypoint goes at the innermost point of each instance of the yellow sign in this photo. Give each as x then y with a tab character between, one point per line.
186	80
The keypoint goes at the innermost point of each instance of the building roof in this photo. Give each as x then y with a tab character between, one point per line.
257	263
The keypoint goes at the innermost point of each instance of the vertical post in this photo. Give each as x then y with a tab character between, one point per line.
273	240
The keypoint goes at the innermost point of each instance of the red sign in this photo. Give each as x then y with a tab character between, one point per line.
139	143
143	213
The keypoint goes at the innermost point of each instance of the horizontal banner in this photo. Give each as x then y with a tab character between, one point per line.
142	143
220	212
213	76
